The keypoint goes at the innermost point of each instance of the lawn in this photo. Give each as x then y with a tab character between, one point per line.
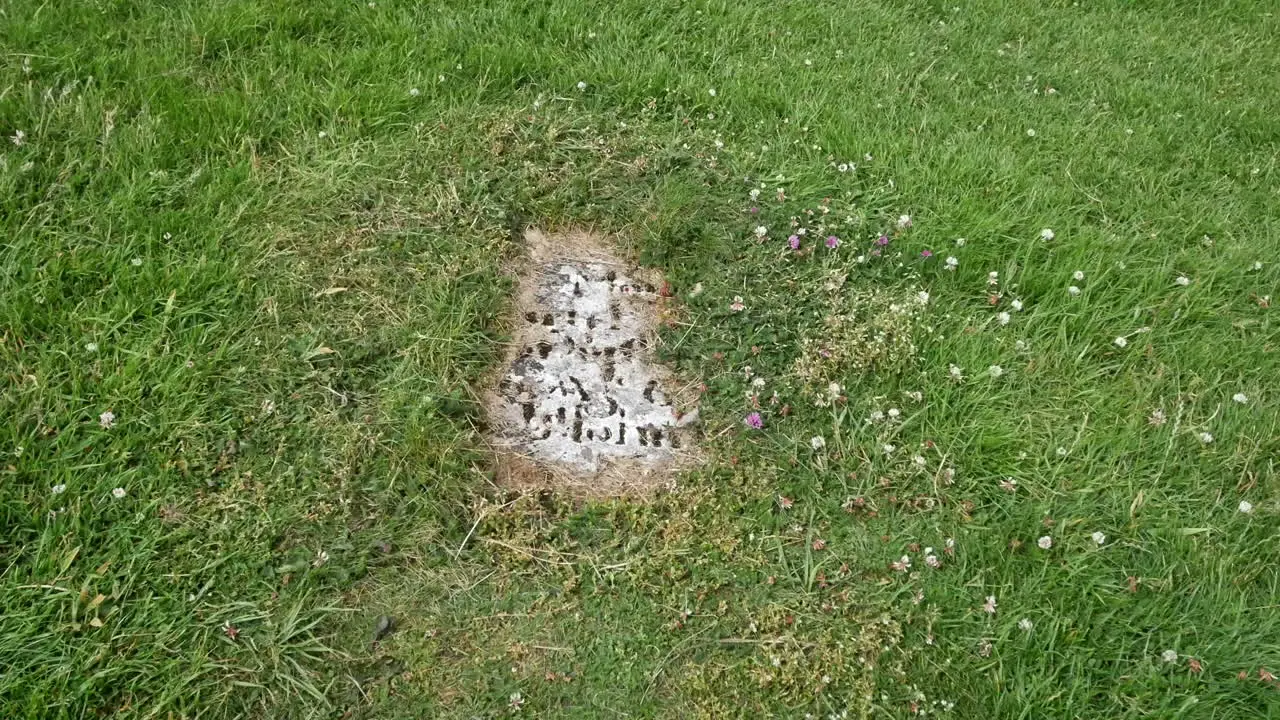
1017	378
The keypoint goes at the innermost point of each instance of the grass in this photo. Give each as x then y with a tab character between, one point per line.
269	238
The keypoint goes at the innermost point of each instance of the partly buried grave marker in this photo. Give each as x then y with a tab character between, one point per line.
581	401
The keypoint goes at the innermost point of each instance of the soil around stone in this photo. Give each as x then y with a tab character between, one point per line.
580	403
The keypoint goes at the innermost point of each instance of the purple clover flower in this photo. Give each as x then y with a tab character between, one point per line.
794	242
754	421
833	242
882	240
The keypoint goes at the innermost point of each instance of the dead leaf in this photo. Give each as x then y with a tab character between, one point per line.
1137	503
96	622
70	558
330	291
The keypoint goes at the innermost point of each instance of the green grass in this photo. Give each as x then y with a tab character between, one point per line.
282	228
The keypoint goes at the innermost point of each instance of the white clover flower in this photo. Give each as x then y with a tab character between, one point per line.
1077	275
957	373
894	413
1031	132
414	92
91	347
582	85
1182	280
1099	537
817	442
1205	438
1121	341
888	449
118	493
761	231
993	278
952	263
711	92
1073	291
1169	656
960	242
107	419
1045	542
995	371
904	221
58	489
923	297
1246	507
1016	305
1025	625
1240	398
1046	234
1003	318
